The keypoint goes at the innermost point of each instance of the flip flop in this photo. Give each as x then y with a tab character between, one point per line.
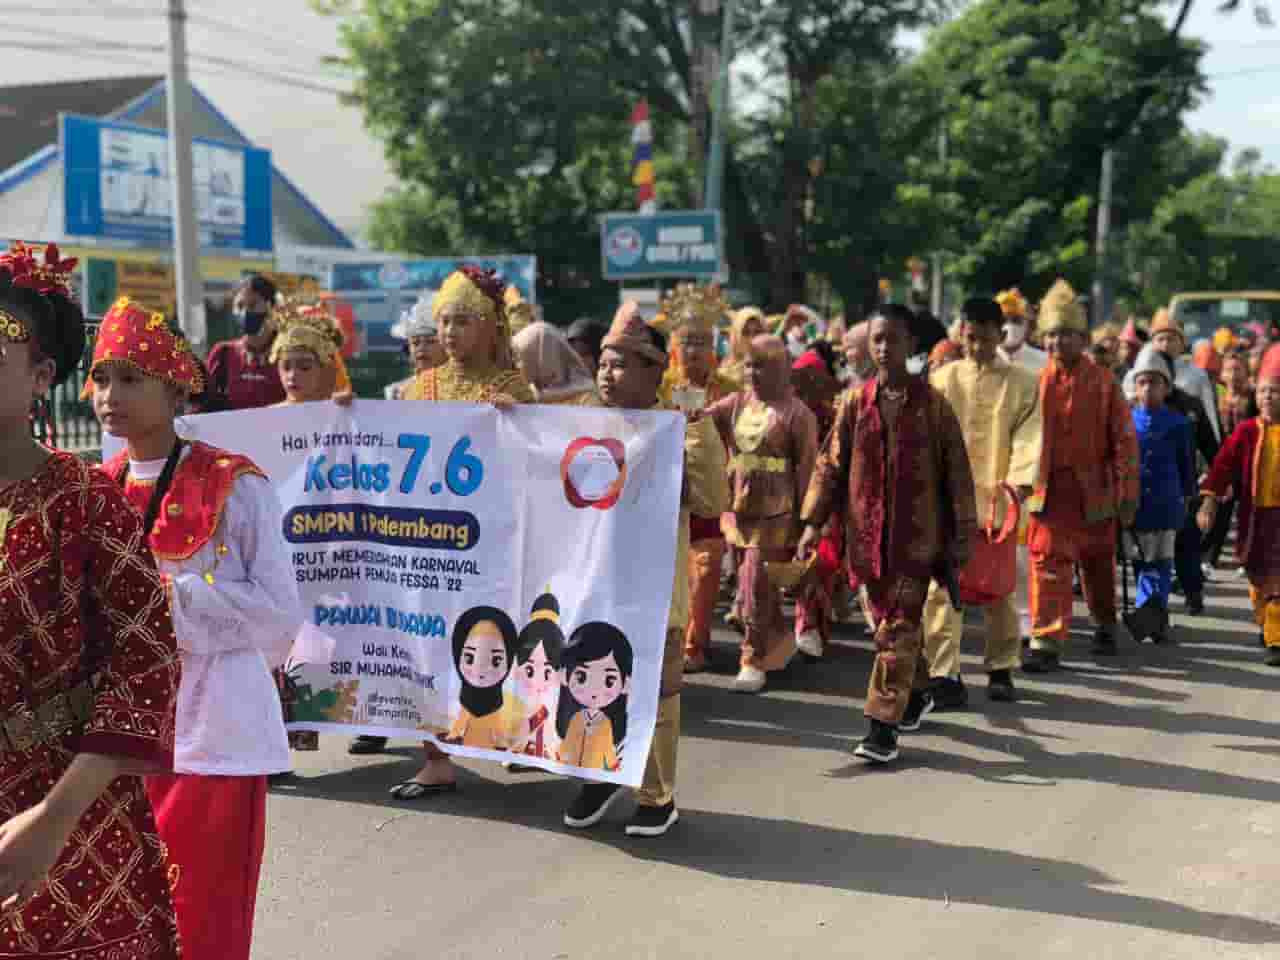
413	790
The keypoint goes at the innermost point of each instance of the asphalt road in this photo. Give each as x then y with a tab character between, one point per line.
1127	808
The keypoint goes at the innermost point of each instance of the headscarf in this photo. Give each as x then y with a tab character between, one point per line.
549	362
738	344
481	293
417	321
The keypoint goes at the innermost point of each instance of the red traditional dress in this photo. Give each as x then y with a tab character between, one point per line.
80	598
897	467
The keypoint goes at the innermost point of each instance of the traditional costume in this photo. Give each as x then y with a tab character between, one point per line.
481	292
895	464
1088	477
415	322
1249	464
706	494
88	665
310	327
997	406
215	530
773	446
692	309
1167	483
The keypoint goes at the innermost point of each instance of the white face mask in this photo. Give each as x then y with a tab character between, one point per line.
1015	334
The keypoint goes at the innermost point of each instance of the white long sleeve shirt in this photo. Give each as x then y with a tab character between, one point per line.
231	633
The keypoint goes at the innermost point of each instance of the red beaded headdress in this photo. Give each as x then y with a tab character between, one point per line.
132	334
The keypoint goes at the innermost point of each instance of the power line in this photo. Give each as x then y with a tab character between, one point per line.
226	27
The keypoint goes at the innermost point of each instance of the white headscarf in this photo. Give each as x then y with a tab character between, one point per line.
417	321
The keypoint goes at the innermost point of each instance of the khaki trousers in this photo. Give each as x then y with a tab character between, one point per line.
944	626
659	785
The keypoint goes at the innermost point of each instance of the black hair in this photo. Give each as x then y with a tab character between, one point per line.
982	311
544	630
657	338
261	286
897	313
827	352
589	643
56	322
482	701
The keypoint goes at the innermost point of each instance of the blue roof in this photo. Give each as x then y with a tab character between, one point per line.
39	161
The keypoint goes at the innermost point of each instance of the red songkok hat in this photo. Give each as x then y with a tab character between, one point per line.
132	334
1270	366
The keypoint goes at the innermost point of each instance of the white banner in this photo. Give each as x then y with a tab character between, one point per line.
496	582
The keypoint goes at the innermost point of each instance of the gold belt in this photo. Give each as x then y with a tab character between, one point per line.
50	721
752	461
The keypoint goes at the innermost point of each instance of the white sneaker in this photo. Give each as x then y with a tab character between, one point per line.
809	643
749	680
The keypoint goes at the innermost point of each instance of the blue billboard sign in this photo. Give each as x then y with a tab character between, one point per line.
117	186
380	291
669	244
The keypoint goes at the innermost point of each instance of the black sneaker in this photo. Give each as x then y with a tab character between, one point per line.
1146	622
918	707
880	745
1273	657
948	693
653	821
364	745
591	804
1040	661
1195	604
1104	642
1000	687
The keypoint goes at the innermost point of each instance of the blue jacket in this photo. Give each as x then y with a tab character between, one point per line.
1168	471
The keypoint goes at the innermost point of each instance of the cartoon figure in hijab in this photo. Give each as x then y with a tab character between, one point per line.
484	645
595	677
536	681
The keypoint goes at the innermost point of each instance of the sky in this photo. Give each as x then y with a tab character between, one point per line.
324	147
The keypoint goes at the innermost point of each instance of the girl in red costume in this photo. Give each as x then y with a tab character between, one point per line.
88	668
213	523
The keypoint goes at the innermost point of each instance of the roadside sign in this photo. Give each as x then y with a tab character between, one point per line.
671	244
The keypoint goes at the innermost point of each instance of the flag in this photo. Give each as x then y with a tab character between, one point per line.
643	177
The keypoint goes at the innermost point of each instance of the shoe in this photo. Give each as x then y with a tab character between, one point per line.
591	804
1146	621
810	644
695	662
1273	657
1162	633
1207	570
1000	687
1040	661
1104	642
749	680
880	745
948	693
653	821
1195	604
363	746
919	706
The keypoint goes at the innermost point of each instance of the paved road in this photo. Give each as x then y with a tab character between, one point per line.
1126	809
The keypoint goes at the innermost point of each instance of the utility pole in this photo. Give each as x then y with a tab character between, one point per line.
720	113
936	280
186	239
1100	243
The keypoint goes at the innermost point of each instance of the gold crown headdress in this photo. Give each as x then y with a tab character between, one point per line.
692	306
306	326
1061	310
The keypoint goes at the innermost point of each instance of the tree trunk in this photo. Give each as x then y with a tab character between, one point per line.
787	274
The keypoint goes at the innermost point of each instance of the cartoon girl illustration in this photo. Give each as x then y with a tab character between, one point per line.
536	680
484	644
595	677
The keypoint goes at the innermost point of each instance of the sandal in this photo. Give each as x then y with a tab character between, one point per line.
413	790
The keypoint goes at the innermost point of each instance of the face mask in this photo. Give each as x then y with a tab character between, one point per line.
251	323
1015	334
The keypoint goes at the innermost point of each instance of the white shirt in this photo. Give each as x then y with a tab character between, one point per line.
1028	357
231	634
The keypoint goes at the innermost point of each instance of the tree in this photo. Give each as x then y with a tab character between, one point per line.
1030	95
506	119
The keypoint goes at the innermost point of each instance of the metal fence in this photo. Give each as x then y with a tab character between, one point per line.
64	420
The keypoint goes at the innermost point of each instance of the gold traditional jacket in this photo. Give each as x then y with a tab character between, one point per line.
998	407
452	382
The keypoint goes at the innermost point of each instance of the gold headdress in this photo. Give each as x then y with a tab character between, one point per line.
1061	310
519	310
1012	304
691	306
306	326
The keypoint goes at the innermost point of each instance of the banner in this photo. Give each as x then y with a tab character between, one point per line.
496	582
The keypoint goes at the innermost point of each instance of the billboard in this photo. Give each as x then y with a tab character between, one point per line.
117	186
672	244
380	291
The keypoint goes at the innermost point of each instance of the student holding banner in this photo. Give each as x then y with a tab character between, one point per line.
213	523
470	310
88	667
631	368
307	352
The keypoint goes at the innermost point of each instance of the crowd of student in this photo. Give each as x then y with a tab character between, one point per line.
919	473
